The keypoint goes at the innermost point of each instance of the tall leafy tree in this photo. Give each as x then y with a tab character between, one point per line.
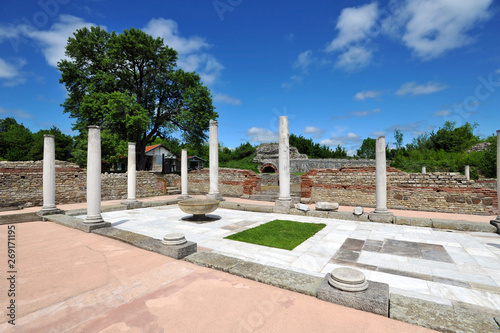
129	84
15	140
63	145
367	149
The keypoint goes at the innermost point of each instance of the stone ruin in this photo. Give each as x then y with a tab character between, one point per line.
270	151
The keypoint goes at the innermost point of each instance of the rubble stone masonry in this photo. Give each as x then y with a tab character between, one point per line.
232	182
439	191
21	184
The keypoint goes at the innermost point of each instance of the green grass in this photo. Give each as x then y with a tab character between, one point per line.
280	234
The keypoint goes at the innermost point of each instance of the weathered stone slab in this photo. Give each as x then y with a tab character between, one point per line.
413	221
375	299
463	225
122	235
440	317
302	207
213	260
19	218
327	206
278	277
381	218
179	251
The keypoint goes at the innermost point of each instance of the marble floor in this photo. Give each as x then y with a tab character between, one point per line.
447	267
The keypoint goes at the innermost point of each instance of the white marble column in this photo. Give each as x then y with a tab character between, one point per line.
94	177
424	170
467	172
49	176
284	202
497	220
184	175
131	174
381	183
213	193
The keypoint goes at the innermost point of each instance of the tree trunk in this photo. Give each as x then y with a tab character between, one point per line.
141	153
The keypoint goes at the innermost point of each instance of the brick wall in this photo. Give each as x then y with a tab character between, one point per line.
232	182
440	192
21	184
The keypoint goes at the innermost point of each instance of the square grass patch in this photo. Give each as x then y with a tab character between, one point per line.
281	234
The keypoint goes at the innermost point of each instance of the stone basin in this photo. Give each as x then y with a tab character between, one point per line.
198	208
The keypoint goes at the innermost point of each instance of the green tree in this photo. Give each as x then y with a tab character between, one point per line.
63	145
367	149
398	136
451	139
15	140
129	85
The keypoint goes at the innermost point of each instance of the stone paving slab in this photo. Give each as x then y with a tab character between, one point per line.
429	275
441	317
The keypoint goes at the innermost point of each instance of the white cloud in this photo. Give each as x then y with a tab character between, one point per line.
353	25
360	113
16	113
441	113
261	135
350	139
293	80
413	128
312	130
10	72
53	41
433	27
362	95
378	133
304	60
413	88
192	54
226	99
355	58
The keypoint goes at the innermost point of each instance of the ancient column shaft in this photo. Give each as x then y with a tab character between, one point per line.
49	173
284	159
94	176
131	174
184	175
381	176
213	193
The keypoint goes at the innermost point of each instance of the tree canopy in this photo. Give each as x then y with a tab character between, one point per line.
130	86
315	150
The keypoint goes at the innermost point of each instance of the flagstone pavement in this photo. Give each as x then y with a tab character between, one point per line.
447	267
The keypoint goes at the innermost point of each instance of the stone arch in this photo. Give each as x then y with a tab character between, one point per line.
268	168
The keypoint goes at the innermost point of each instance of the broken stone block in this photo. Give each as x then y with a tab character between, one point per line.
328	206
302	207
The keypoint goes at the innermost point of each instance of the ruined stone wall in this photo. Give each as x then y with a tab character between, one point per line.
439	192
232	182
21	184
301	165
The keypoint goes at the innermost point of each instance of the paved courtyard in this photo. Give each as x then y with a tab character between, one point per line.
440	266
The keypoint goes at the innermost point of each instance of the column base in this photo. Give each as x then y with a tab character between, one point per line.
132	203
215	196
496	223
88	227
50	211
382	216
283	205
183	197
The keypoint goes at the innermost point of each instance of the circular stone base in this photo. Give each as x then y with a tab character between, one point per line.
174	239
348	279
201	218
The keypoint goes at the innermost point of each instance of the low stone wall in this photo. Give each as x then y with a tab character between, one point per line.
22	184
232	182
439	192
304	165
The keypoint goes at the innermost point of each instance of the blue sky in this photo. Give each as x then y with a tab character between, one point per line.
341	71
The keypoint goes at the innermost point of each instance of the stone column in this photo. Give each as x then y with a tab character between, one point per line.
94	178
467	172
49	176
424	169
284	202
184	176
131	174
496	221
213	193
381	214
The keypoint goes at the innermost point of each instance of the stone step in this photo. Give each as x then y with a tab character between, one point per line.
173	190
272	197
